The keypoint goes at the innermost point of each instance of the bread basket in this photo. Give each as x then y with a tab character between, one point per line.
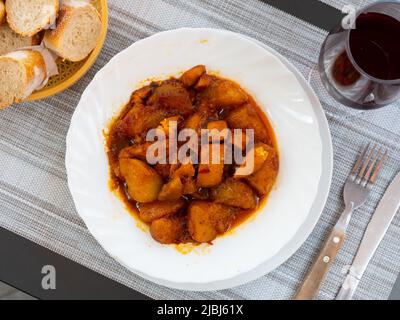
71	72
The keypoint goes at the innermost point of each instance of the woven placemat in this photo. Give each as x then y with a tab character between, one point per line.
36	204
339	4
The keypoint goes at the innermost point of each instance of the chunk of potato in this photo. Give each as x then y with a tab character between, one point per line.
261	152
218	126
171	191
246	117
222	216
201	226
171	96
190	77
168	230
240	142
184	171
159	209
206	220
189	186
195	122
203	83
224	93
264	179
144	184
210	174
140	119
140	96
235	193
166	124
136	151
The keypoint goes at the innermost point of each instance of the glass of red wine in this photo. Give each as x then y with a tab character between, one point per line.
360	66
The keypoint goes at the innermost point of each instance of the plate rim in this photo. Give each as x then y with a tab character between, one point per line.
314	214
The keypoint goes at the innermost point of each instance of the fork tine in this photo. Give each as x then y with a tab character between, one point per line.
374	176
359	162
368	174
366	163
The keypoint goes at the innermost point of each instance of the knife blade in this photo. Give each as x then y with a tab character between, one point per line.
374	234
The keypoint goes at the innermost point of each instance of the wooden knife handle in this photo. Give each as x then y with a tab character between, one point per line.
321	267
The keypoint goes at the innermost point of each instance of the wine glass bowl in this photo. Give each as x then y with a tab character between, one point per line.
360	67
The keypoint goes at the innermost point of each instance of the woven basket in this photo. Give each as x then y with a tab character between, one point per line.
71	72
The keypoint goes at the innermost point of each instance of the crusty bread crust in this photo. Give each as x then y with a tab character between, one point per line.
33	69
53	38
14	16
2	12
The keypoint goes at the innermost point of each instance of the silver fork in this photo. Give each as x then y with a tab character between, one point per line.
356	191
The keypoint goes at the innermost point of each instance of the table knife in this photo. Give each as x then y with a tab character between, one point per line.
376	230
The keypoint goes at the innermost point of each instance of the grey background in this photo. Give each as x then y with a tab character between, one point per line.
34	198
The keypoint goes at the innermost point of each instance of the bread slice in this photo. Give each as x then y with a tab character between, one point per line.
21	72
78	29
2	12
11	41
28	17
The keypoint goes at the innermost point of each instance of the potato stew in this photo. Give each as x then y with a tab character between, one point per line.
191	202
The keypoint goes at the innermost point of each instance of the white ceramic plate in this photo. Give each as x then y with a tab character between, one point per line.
294	206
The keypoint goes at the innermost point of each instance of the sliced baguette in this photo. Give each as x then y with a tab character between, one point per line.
2	12
78	29
21	72
11	41
28	17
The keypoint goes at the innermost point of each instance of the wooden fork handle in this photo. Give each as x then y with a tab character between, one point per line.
320	269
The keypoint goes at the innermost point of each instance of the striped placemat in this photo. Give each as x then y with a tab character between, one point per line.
34	198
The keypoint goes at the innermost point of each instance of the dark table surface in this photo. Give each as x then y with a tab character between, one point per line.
22	260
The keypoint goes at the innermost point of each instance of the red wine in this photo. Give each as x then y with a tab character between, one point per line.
355	65
375	45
